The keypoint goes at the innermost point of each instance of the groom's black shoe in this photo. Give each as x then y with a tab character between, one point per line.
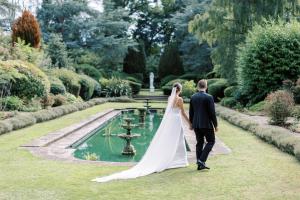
201	166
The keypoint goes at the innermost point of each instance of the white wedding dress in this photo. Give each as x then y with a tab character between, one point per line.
167	149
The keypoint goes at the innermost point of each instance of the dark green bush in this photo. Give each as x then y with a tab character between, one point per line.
87	87
11	103
89	70
135	87
258	107
192	76
296	92
269	56
279	106
69	78
230	91
133	79
167	79
27	80
56	86
216	88
230	102
167	89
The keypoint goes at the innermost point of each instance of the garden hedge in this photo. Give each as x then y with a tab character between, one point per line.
22	120
27	80
269	56
280	137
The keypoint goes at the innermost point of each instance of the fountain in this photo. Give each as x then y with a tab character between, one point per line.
147	106
142	115
128	136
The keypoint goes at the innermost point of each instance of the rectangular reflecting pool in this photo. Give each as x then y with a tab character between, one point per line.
105	145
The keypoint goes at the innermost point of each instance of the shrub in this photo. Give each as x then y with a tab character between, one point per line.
69	78
167	79
192	76
133	79
70	98
296	92
115	87
167	89
230	102
216	88
188	89
279	105
135	60
27	28
59	100
89	70
296	113
11	103
258	107
135	87
280	137
21	121
267	58
33	105
56	86
47	101
230	91
57	51
87	87
26	79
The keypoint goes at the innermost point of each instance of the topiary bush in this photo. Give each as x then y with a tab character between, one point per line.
87	87
47	101
11	103
258	107
270	55
216	88
188	89
230	102
279	106
56	86
27	80
192	76
89	70
230	91
69	78
167	79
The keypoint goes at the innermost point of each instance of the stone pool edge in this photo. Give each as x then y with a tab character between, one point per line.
57	145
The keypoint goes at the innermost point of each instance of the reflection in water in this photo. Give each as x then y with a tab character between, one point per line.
108	147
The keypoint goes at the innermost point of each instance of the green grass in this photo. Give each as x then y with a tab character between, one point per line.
254	170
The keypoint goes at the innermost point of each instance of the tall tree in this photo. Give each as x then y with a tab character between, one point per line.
27	28
226	23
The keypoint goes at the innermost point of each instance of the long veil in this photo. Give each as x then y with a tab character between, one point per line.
157	157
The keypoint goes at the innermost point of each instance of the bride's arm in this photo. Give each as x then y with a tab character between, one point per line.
180	104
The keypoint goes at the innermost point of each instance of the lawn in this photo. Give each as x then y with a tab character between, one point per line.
254	170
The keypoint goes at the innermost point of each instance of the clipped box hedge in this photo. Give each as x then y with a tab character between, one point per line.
22	120
280	137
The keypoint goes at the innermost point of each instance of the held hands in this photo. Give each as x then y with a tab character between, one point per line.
216	129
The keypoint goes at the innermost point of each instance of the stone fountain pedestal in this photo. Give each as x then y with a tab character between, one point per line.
128	136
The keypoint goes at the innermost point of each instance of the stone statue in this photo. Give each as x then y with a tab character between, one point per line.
151	77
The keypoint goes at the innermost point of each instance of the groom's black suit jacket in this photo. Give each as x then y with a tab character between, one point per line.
202	111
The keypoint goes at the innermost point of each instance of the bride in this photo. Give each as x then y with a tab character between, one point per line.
167	149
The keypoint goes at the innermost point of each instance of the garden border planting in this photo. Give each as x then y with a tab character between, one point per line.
282	138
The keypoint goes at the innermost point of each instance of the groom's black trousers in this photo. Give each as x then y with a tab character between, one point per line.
209	135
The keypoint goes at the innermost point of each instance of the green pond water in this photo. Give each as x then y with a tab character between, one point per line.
109	148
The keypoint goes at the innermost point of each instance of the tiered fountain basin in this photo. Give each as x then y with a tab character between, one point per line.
109	142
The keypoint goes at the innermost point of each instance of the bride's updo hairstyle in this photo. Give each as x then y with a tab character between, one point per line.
178	87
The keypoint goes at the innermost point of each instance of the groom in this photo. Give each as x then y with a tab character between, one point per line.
204	122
